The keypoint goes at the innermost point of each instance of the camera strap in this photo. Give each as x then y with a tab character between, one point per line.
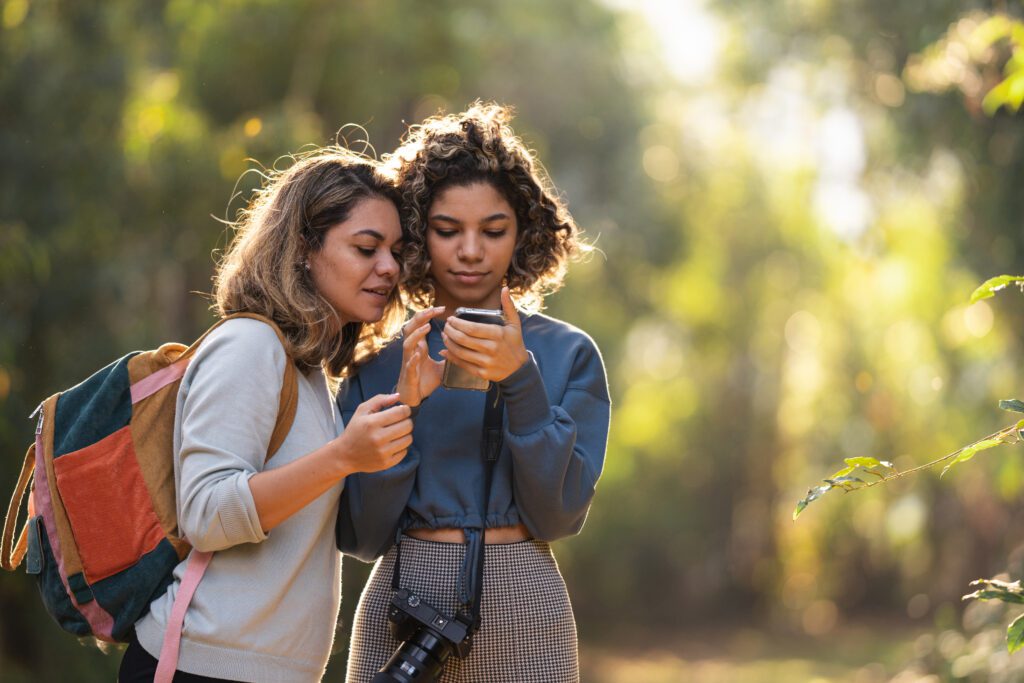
490	448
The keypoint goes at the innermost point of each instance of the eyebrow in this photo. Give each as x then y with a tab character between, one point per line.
489	219
371	232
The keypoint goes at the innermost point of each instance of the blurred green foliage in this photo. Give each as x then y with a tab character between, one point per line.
786	239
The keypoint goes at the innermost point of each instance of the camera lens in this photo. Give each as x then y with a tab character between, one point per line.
419	659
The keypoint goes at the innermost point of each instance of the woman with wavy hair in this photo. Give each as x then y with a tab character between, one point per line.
315	253
484	229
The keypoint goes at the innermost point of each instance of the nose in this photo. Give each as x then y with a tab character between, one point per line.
387	266
470	248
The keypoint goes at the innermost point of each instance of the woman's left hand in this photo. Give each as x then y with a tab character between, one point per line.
492	352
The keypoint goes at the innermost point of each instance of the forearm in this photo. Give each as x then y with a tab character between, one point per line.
557	452
281	492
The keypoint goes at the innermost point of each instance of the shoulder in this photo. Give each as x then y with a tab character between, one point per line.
558	344
552	335
242	343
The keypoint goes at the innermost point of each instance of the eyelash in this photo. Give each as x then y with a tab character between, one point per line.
368	252
445	234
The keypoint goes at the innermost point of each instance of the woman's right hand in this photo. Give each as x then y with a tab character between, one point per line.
420	373
376	437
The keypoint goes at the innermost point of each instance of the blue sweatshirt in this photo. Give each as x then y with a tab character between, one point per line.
555	433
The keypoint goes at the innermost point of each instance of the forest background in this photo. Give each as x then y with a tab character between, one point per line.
793	200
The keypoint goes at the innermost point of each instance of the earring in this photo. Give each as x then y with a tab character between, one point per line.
305	264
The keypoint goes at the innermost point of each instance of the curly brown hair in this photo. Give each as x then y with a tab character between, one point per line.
474	146
287	220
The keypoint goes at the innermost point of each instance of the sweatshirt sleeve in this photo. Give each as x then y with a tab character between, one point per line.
372	503
227	417
557	450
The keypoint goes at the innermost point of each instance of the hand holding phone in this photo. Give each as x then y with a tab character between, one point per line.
456	377
484	348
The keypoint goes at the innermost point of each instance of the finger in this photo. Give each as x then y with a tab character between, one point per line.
421	318
411	369
401	445
377	403
465	363
480	330
413	338
509	308
453	334
396	432
392	416
452	345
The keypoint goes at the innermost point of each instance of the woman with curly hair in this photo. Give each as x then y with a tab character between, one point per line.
316	254
484	228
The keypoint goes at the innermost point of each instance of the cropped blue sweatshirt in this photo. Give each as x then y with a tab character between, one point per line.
555	433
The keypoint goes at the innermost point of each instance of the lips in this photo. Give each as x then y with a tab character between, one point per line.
379	292
468	277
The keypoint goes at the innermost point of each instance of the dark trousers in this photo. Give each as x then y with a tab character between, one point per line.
138	666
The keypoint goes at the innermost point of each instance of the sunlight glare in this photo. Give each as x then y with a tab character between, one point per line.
691	37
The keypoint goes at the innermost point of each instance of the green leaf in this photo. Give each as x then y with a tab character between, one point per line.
968	452
863	462
842	473
868	464
1014	404
813	494
1015	634
993	285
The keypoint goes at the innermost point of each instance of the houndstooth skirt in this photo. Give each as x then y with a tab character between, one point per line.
527	632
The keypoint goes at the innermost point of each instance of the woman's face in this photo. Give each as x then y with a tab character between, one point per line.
356	268
471	238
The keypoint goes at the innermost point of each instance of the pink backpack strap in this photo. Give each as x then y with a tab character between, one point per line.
197	564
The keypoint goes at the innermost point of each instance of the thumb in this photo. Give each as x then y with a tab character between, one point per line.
377	403
508	308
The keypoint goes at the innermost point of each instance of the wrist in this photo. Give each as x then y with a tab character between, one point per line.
339	461
520	362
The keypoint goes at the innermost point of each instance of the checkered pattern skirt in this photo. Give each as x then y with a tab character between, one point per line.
527	632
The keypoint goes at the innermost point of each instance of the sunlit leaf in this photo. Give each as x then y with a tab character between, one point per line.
1014	404
968	452
867	462
994	589
1015	634
993	285
842	473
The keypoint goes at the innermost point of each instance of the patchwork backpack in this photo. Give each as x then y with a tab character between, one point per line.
102	536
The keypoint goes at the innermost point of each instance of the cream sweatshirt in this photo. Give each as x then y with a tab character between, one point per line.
266	608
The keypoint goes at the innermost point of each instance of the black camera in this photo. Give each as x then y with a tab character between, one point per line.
428	639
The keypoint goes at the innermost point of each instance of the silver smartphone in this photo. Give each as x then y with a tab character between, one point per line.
455	377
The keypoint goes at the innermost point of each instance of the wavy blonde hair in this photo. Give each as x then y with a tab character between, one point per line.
479	146
263	270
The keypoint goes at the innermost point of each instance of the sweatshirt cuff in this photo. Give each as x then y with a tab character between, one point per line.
237	511
526	399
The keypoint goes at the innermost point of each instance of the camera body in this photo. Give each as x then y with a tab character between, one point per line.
428	639
455	377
